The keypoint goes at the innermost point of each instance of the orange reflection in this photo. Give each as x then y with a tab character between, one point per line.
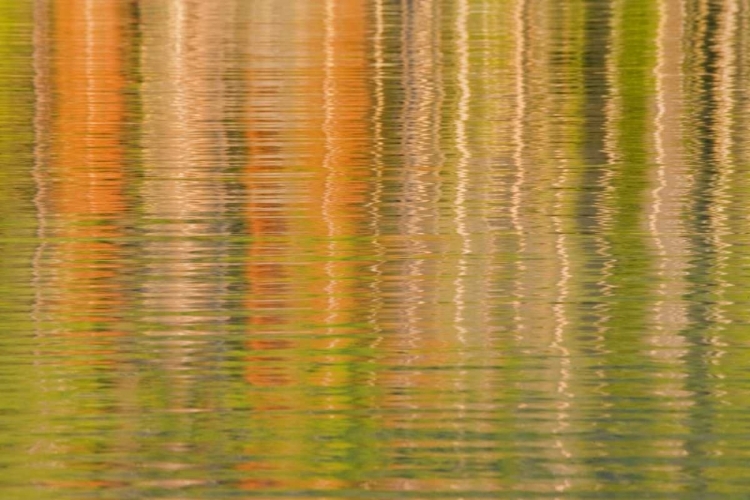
306	187
84	194
307	131
283	109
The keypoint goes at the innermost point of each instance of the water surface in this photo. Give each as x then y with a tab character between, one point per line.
374	249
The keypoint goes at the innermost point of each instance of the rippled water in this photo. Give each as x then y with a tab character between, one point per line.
374	249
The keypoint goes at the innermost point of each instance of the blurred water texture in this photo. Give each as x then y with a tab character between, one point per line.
374	249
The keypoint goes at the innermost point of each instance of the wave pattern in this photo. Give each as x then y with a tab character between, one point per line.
374	248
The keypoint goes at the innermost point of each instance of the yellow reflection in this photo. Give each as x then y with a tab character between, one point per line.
668	202
462	167
519	18
668	198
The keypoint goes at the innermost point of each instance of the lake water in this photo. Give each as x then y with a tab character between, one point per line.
374	249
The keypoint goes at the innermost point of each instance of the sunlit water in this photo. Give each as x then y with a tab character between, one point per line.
374	249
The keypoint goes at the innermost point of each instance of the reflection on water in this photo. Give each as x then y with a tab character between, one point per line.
374	248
